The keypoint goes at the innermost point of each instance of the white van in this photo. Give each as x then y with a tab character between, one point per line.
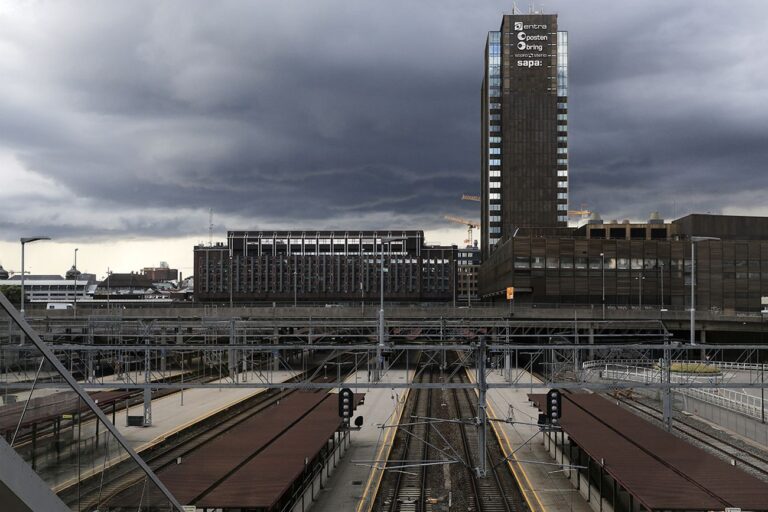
59	305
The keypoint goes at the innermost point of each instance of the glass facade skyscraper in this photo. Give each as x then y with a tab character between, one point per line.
524	150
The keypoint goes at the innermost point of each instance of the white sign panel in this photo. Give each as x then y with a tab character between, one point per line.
531	42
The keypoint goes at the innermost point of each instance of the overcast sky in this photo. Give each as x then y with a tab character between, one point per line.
122	123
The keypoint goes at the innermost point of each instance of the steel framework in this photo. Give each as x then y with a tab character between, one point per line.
238	353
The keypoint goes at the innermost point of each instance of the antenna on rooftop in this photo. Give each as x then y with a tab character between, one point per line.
210	227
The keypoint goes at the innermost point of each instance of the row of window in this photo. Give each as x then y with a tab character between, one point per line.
562	64
596	263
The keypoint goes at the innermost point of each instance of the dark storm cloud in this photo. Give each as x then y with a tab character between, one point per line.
668	108
310	114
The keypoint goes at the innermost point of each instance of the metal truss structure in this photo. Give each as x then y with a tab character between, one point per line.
236	353
22	350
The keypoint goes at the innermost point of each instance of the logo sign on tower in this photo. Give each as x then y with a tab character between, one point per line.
532	44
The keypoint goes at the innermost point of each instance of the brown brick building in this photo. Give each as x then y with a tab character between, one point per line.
634	264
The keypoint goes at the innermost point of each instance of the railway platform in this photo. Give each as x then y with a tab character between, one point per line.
354	483
622	462
544	485
170	415
169	418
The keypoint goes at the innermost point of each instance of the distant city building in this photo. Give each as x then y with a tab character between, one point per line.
54	288
524	159
161	273
125	286
468	259
324	266
633	264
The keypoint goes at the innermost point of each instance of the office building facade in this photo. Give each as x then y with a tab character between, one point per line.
638	265
524	148
468	266
334	266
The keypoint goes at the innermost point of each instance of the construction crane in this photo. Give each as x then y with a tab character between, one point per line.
571	213
470	226
583	213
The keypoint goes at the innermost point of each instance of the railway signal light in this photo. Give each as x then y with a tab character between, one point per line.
346	403
554	406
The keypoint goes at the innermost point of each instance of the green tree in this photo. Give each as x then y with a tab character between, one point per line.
12	293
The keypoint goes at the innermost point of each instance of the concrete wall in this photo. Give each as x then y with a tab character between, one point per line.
745	426
738	423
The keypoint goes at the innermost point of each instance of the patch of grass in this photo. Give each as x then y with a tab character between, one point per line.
702	368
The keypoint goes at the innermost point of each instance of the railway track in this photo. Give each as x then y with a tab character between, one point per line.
434	457
410	492
122	478
497	491
730	451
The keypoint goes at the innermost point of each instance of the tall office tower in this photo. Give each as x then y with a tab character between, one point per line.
524	159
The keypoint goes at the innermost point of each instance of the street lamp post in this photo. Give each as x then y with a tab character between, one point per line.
763	312
661	275
695	239
24	241
640	280
295	280
380	346
454	269
74	266
109	275
602	269
231	281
